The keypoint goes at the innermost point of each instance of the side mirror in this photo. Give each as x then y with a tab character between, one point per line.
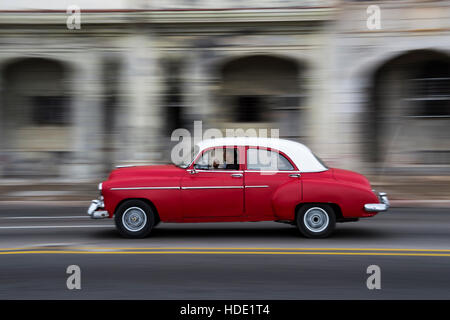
193	171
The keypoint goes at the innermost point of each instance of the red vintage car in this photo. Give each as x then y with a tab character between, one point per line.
238	179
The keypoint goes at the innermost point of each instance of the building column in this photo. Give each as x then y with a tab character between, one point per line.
86	110
140	116
324	82
350	105
198	89
317	107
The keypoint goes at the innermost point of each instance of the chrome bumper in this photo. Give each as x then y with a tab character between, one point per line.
94	211
378	207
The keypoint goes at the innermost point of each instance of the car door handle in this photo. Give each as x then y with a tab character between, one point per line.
294	175
237	175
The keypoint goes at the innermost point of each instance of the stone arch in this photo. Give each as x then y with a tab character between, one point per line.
408	110
36	116
261	90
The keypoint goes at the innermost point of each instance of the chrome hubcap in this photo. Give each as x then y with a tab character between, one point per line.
134	219
316	219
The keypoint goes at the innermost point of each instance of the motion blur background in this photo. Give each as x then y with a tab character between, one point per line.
74	103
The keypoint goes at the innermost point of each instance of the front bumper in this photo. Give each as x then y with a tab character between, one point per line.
378	207
95	209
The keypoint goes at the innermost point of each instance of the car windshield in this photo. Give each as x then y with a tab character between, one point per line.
188	158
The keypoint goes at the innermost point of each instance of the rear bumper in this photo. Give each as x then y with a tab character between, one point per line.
383	205
96	209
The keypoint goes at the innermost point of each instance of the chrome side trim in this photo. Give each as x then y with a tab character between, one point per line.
147	188
217	171
274	171
184	188
242	171
256	186
214	187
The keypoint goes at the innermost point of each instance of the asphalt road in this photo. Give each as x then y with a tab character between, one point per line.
222	261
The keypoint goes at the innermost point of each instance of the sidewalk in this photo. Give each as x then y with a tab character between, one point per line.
49	191
423	191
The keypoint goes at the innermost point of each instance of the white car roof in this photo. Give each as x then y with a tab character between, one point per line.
301	155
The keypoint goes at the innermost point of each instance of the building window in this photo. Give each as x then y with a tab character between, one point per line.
432	96
250	108
50	110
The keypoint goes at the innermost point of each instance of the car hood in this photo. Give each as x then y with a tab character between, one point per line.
142	171
351	177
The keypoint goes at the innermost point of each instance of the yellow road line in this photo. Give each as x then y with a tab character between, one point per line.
232	248
257	248
232	252
225	249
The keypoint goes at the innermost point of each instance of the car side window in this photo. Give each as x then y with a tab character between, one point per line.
218	159
262	159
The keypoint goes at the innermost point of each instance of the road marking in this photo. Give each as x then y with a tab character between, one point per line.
229	253
55	227
225	249
48	217
263	248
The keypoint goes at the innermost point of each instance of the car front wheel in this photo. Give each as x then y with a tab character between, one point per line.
134	219
316	221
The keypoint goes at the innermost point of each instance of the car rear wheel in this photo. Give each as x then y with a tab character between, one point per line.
134	219
316	221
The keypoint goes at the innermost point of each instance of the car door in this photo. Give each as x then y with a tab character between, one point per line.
272	184
214	184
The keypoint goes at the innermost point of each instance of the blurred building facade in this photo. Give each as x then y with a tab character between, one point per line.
73	103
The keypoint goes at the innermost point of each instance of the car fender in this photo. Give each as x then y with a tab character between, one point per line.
167	200
348	196
285	199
